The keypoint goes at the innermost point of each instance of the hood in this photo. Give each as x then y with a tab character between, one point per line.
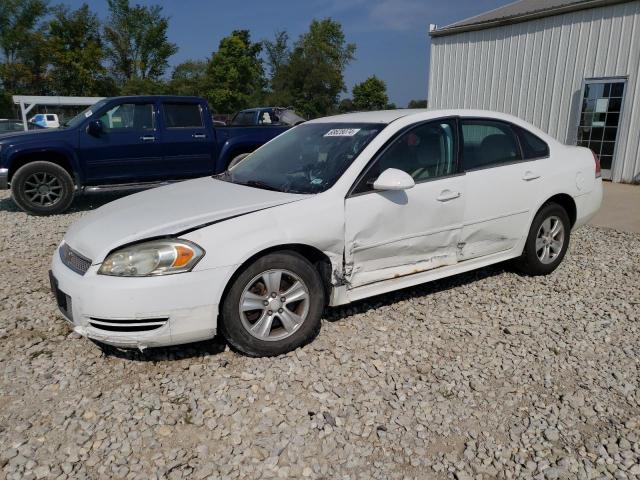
7	137
167	211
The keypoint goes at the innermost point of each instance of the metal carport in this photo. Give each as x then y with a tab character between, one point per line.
27	102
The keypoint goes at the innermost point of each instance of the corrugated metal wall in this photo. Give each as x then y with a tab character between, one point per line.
535	70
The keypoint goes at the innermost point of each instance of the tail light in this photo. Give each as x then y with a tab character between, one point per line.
598	168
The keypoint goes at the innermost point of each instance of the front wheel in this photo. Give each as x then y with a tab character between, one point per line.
274	306
42	188
547	241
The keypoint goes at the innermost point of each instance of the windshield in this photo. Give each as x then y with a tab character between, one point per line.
309	158
86	113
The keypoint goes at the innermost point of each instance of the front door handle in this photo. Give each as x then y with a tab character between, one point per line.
447	195
148	138
529	175
199	135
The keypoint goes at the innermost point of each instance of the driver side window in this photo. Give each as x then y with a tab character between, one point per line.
425	152
128	117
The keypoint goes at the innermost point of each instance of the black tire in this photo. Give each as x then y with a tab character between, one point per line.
231	324
237	159
529	262
59	198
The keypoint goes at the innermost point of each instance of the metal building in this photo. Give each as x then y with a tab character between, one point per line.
572	68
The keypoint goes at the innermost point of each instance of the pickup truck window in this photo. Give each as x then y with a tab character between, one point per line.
266	118
128	117
243	119
182	115
86	113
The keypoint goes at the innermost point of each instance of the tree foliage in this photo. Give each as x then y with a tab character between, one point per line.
22	45
137	44
370	94
277	52
76	53
235	74
189	78
418	104
313	76
56	50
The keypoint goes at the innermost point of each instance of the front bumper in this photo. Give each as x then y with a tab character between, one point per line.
140	312
4	178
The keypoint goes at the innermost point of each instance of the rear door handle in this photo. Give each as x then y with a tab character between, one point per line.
447	195
529	175
147	138
199	135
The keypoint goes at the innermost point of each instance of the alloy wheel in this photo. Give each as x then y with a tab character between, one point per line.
550	240
274	305
43	189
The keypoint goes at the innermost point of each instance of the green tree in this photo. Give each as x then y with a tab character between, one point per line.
418	104
313	77
22	67
189	78
235	74
277	52
144	86
137	44
370	94
346	106
76	53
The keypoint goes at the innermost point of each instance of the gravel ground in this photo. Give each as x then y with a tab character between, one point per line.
485	375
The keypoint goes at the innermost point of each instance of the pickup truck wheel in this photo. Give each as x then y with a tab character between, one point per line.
273	306
237	159
42	188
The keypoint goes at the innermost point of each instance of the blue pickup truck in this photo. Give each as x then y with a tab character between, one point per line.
121	143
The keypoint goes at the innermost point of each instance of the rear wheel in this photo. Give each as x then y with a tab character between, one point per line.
42	188
274	306
547	241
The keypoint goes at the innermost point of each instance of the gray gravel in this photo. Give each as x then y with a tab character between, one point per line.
485	375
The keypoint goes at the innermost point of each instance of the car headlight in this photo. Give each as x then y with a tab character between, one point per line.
157	257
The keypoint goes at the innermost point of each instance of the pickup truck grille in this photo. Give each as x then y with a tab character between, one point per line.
74	260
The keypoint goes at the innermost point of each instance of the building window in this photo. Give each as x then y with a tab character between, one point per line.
600	118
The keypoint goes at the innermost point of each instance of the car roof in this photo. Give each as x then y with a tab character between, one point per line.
388	116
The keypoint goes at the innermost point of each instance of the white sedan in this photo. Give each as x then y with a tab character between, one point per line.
335	210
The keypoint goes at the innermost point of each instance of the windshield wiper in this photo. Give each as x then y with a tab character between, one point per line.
260	184
224	176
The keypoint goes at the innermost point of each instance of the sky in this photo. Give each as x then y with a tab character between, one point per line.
390	35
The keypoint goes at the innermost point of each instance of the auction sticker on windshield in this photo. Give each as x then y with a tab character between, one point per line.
342	132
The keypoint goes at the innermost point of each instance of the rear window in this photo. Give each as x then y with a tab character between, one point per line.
488	143
182	115
243	119
532	146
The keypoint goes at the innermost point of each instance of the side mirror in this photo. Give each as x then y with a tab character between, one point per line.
393	179
95	128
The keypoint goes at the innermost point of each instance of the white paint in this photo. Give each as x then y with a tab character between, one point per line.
376	242
393	179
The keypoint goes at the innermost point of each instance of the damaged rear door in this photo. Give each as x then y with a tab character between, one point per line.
395	233
501	188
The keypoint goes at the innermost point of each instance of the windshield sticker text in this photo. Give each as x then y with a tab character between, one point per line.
88	113
342	132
